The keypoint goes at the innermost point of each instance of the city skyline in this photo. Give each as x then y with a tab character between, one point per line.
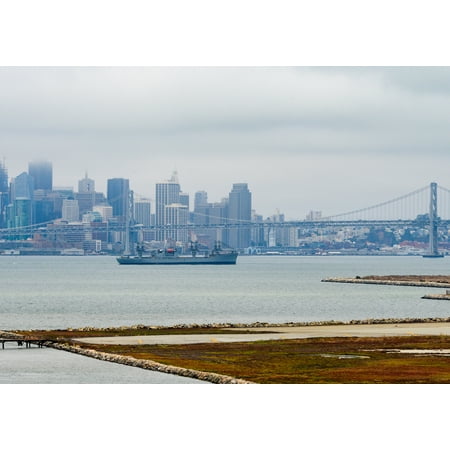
330	139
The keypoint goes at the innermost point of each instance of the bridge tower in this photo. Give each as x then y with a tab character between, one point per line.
433	245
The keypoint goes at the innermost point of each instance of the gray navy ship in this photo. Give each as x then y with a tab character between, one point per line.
169	256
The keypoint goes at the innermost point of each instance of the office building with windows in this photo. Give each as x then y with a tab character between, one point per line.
70	210
118	193
176	214
167	193
239	213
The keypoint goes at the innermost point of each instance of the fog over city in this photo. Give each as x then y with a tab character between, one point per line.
329	138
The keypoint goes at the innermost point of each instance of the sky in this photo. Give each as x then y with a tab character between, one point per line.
332	139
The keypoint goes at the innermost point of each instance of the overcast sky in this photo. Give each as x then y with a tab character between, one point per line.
329	139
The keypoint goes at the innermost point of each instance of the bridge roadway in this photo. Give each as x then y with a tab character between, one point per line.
82	228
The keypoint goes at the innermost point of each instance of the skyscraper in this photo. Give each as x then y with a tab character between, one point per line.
86	185
3	178
167	193
239	212
4	194
118	191
201	206
142	212
210	214
86	195
70	210
19	215
184	199
22	186
42	173
176	214
200	199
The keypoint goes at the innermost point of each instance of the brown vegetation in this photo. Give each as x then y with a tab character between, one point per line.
411	278
318	360
313	360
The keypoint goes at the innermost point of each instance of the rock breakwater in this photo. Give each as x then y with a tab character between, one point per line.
437	296
389	282
150	365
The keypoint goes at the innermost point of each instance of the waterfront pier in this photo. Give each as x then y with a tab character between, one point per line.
27	342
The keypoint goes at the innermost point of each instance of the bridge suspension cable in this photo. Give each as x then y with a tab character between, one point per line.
419	203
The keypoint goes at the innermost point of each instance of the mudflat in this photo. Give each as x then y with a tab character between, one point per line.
281	333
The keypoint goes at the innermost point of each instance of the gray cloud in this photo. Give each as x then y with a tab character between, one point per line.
303	138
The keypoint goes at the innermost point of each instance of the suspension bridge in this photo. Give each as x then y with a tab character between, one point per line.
428	207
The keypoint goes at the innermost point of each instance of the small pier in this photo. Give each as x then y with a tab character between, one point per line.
27	342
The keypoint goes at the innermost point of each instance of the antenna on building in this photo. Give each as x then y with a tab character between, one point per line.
174	178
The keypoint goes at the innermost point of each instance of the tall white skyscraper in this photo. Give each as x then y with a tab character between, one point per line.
176	214
167	193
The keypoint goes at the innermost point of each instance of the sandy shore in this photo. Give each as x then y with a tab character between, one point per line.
372	330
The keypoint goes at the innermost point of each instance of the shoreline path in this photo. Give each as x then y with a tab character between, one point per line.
302	332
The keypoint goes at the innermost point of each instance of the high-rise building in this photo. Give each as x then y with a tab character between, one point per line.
184	199
86	195
176	214
167	193
277	237
239	212
86	185
142	212
118	192
42	173
70	210
200	199
4	194
22	186
44	209
257	233
20	215
209	214
201	206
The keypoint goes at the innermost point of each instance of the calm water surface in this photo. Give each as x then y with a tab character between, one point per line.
61	292
45	365
40	292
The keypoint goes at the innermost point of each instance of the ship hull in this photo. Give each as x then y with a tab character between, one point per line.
179	260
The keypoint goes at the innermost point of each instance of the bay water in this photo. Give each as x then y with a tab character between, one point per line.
39	292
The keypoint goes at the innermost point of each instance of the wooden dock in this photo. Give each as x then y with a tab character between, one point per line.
27	342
